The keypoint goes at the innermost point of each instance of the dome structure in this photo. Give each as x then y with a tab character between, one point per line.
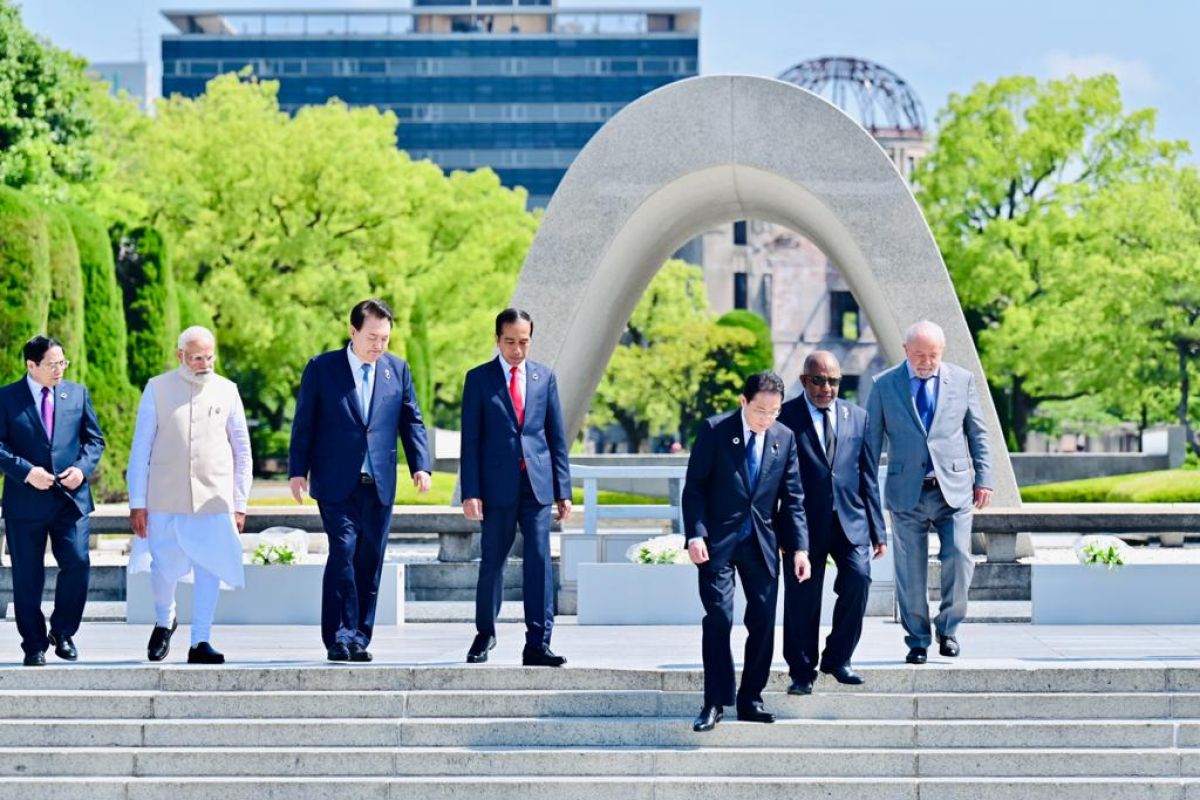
882	102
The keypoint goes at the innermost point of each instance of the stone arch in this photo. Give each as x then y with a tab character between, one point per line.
709	150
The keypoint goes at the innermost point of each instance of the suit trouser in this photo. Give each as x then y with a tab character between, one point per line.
499	529
716	593
357	528
910	547
802	605
68	533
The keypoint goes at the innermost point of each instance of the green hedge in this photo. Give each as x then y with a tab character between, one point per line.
1166	486
65	318
24	278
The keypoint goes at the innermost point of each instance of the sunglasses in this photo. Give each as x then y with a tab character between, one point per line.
821	380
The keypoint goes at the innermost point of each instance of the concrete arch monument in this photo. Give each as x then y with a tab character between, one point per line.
709	150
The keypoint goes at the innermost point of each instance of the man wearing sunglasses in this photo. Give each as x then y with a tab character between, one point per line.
938	472
845	520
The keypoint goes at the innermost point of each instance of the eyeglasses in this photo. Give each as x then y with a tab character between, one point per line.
821	380
200	359
762	412
56	365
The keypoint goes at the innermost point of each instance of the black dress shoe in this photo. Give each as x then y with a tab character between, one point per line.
708	719
160	641
358	652
844	674
948	646
35	659
916	655
801	687
204	653
754	713
339	652
64	648
478	654
541	657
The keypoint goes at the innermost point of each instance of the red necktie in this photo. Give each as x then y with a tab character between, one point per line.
514	391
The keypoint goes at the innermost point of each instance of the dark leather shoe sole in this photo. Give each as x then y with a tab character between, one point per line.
847	677
556	661
916	658
480	656
764	717
194	658
360	656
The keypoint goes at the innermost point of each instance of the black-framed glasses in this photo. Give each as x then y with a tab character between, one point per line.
59	365
821	380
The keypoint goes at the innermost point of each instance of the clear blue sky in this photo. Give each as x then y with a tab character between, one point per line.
938	46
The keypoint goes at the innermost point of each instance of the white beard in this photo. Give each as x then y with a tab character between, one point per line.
192	377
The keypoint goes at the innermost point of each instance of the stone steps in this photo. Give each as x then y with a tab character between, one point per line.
316	731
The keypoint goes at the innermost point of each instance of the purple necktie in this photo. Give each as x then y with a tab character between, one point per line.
47	413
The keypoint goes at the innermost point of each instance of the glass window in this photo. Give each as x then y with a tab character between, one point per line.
844	316
740	290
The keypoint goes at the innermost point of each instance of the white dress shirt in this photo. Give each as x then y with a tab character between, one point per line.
818	419
758	438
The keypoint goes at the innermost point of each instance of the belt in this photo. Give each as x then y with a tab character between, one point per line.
930	482
365	479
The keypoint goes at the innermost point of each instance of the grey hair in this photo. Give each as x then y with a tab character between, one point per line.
196	333
924	329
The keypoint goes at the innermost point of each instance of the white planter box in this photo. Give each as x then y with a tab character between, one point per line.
275	595
660	594
1135	594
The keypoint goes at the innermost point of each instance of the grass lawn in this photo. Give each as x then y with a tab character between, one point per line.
443	490
1165	486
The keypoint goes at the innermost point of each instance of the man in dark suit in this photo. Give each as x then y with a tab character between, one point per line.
845	520
353	404
743	475
514	466
50	444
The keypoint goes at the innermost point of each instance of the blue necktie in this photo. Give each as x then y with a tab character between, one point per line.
364	399
924	407
751	472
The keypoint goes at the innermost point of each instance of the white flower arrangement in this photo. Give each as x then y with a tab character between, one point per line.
1108	551
669	549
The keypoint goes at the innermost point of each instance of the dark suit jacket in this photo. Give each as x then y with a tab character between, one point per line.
850	487
329	438
493	444
717	499
77	442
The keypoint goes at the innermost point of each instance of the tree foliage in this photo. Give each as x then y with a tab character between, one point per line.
151	305
65	317
24	276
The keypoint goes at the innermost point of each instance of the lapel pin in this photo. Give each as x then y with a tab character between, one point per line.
387	374
736	440
63	396
774	446
845	413
534	376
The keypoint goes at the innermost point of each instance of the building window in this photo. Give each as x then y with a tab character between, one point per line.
844	316
849	388
740	290
739	232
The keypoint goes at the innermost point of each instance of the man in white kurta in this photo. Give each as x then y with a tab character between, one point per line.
189	480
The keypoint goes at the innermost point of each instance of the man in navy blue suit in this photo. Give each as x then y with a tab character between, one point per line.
353	404
742	477
514	467
50	444
845	519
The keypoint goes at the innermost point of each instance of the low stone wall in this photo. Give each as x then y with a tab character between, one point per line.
1033	469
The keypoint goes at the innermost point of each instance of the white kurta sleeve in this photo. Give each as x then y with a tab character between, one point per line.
239	439
138	472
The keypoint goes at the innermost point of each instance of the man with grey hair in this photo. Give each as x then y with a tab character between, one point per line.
189	481
938	472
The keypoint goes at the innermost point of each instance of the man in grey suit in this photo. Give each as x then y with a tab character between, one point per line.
938	472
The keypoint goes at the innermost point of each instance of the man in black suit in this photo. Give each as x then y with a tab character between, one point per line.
841	505
50	444
741	476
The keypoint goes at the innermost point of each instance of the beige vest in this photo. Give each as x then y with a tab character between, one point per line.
191	460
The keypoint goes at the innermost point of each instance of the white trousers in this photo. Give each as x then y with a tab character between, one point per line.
204	601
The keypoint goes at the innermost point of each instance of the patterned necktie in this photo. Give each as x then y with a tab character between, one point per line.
47	413
830	436
364	399
924	407
752	461
514	391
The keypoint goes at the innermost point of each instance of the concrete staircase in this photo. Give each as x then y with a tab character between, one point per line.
351	732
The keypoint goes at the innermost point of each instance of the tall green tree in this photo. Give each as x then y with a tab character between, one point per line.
667	353
115	400
65	318
281	223
45	122
1014	166
151	305
24	277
